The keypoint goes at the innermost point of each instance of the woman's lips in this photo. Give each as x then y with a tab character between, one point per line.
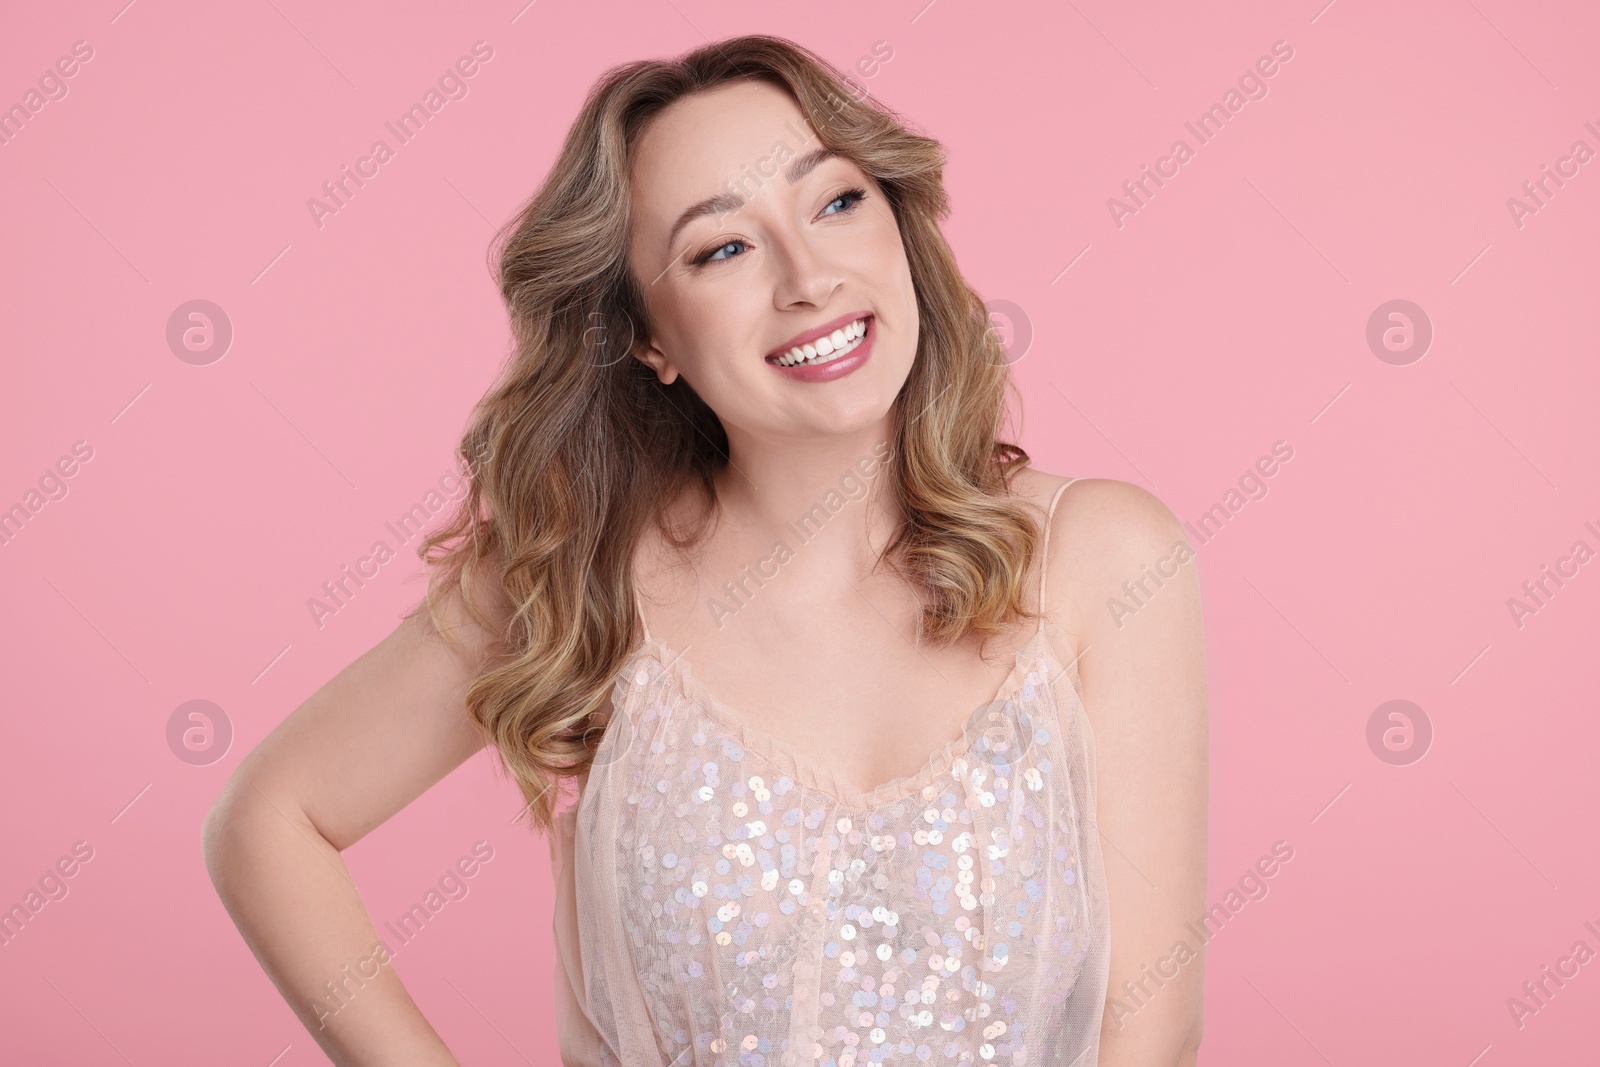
810	336
837	367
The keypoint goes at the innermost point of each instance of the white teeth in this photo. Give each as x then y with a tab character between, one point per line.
827	348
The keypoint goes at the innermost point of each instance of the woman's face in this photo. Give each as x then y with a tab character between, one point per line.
737	262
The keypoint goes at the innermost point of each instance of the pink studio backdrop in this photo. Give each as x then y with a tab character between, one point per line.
190	508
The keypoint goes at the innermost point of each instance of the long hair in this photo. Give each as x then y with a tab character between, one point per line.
578	446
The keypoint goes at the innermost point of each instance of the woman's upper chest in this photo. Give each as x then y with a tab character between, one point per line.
674	729
875	704
825	666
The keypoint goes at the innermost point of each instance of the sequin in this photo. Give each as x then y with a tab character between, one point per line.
760	901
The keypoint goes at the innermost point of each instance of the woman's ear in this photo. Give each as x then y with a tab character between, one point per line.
657	361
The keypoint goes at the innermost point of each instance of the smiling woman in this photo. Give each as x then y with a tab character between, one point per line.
848	833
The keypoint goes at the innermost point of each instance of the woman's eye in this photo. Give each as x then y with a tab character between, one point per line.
850	197
716	253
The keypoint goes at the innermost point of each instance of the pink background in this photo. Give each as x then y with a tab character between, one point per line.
1228	313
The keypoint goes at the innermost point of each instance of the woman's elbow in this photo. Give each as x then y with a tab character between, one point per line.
219	833
227	831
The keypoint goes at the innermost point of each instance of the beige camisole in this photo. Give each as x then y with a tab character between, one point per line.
724	899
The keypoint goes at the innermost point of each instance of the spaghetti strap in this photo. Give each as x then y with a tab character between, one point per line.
1044	552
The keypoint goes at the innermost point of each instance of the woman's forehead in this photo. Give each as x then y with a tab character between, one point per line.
700	143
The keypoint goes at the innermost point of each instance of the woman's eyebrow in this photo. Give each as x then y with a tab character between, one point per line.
727	203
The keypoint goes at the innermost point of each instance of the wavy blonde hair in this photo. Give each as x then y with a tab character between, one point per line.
578	446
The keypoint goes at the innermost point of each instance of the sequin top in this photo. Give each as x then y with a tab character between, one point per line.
724	899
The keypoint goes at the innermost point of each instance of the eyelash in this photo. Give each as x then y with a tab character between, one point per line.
856	196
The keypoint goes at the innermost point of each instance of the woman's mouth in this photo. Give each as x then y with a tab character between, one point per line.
827	348
829	355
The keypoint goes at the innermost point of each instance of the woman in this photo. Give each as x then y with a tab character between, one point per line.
753	413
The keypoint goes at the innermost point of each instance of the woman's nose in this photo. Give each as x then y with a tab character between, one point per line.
805	274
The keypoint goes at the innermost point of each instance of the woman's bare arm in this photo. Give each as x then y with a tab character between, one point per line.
1144	682
365	745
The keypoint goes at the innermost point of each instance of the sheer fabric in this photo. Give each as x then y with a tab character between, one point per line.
724	899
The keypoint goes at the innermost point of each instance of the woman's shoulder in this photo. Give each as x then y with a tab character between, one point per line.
1115	509
1131	508
1104	532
